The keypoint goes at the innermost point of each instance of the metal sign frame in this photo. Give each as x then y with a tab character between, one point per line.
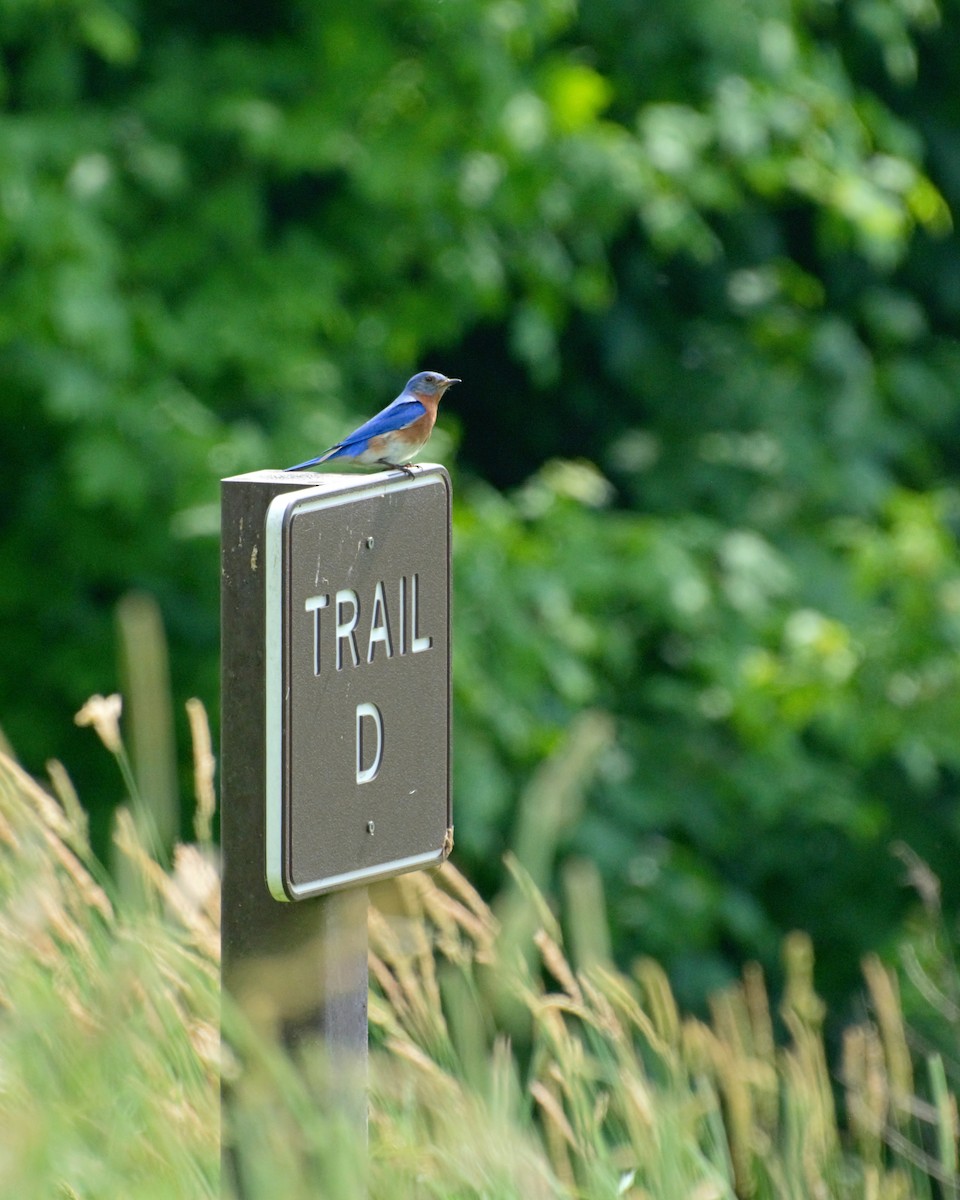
331	493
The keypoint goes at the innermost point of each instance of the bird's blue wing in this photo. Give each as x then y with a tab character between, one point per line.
398	415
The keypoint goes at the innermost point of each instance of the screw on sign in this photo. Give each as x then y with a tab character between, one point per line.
358	681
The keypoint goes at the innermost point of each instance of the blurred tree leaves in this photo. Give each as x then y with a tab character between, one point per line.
782	718
698	261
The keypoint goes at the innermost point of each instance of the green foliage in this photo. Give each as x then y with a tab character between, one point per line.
777	727
704	248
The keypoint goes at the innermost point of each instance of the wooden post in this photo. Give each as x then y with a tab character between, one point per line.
296	971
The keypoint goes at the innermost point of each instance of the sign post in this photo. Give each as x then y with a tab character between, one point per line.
357	677
335	752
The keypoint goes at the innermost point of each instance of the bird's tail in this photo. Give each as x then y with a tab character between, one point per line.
313	462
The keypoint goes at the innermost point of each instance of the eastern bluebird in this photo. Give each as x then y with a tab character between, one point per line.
396	434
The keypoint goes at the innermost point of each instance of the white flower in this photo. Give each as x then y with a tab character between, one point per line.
103	713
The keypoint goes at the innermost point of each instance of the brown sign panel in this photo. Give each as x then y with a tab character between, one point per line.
358	680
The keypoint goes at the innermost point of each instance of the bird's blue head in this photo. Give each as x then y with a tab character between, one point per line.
429	384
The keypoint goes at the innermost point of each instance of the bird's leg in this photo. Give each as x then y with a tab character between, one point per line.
408	471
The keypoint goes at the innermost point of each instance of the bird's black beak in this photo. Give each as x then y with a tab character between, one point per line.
447	383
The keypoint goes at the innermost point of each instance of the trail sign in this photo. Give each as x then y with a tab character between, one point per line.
357	668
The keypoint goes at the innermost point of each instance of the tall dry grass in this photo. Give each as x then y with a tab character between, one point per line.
504	1065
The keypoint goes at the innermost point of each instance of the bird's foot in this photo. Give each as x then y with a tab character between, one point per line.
408	471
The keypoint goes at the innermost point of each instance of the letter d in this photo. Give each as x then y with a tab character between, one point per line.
365	774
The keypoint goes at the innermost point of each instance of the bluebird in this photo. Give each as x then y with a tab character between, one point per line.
396	434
